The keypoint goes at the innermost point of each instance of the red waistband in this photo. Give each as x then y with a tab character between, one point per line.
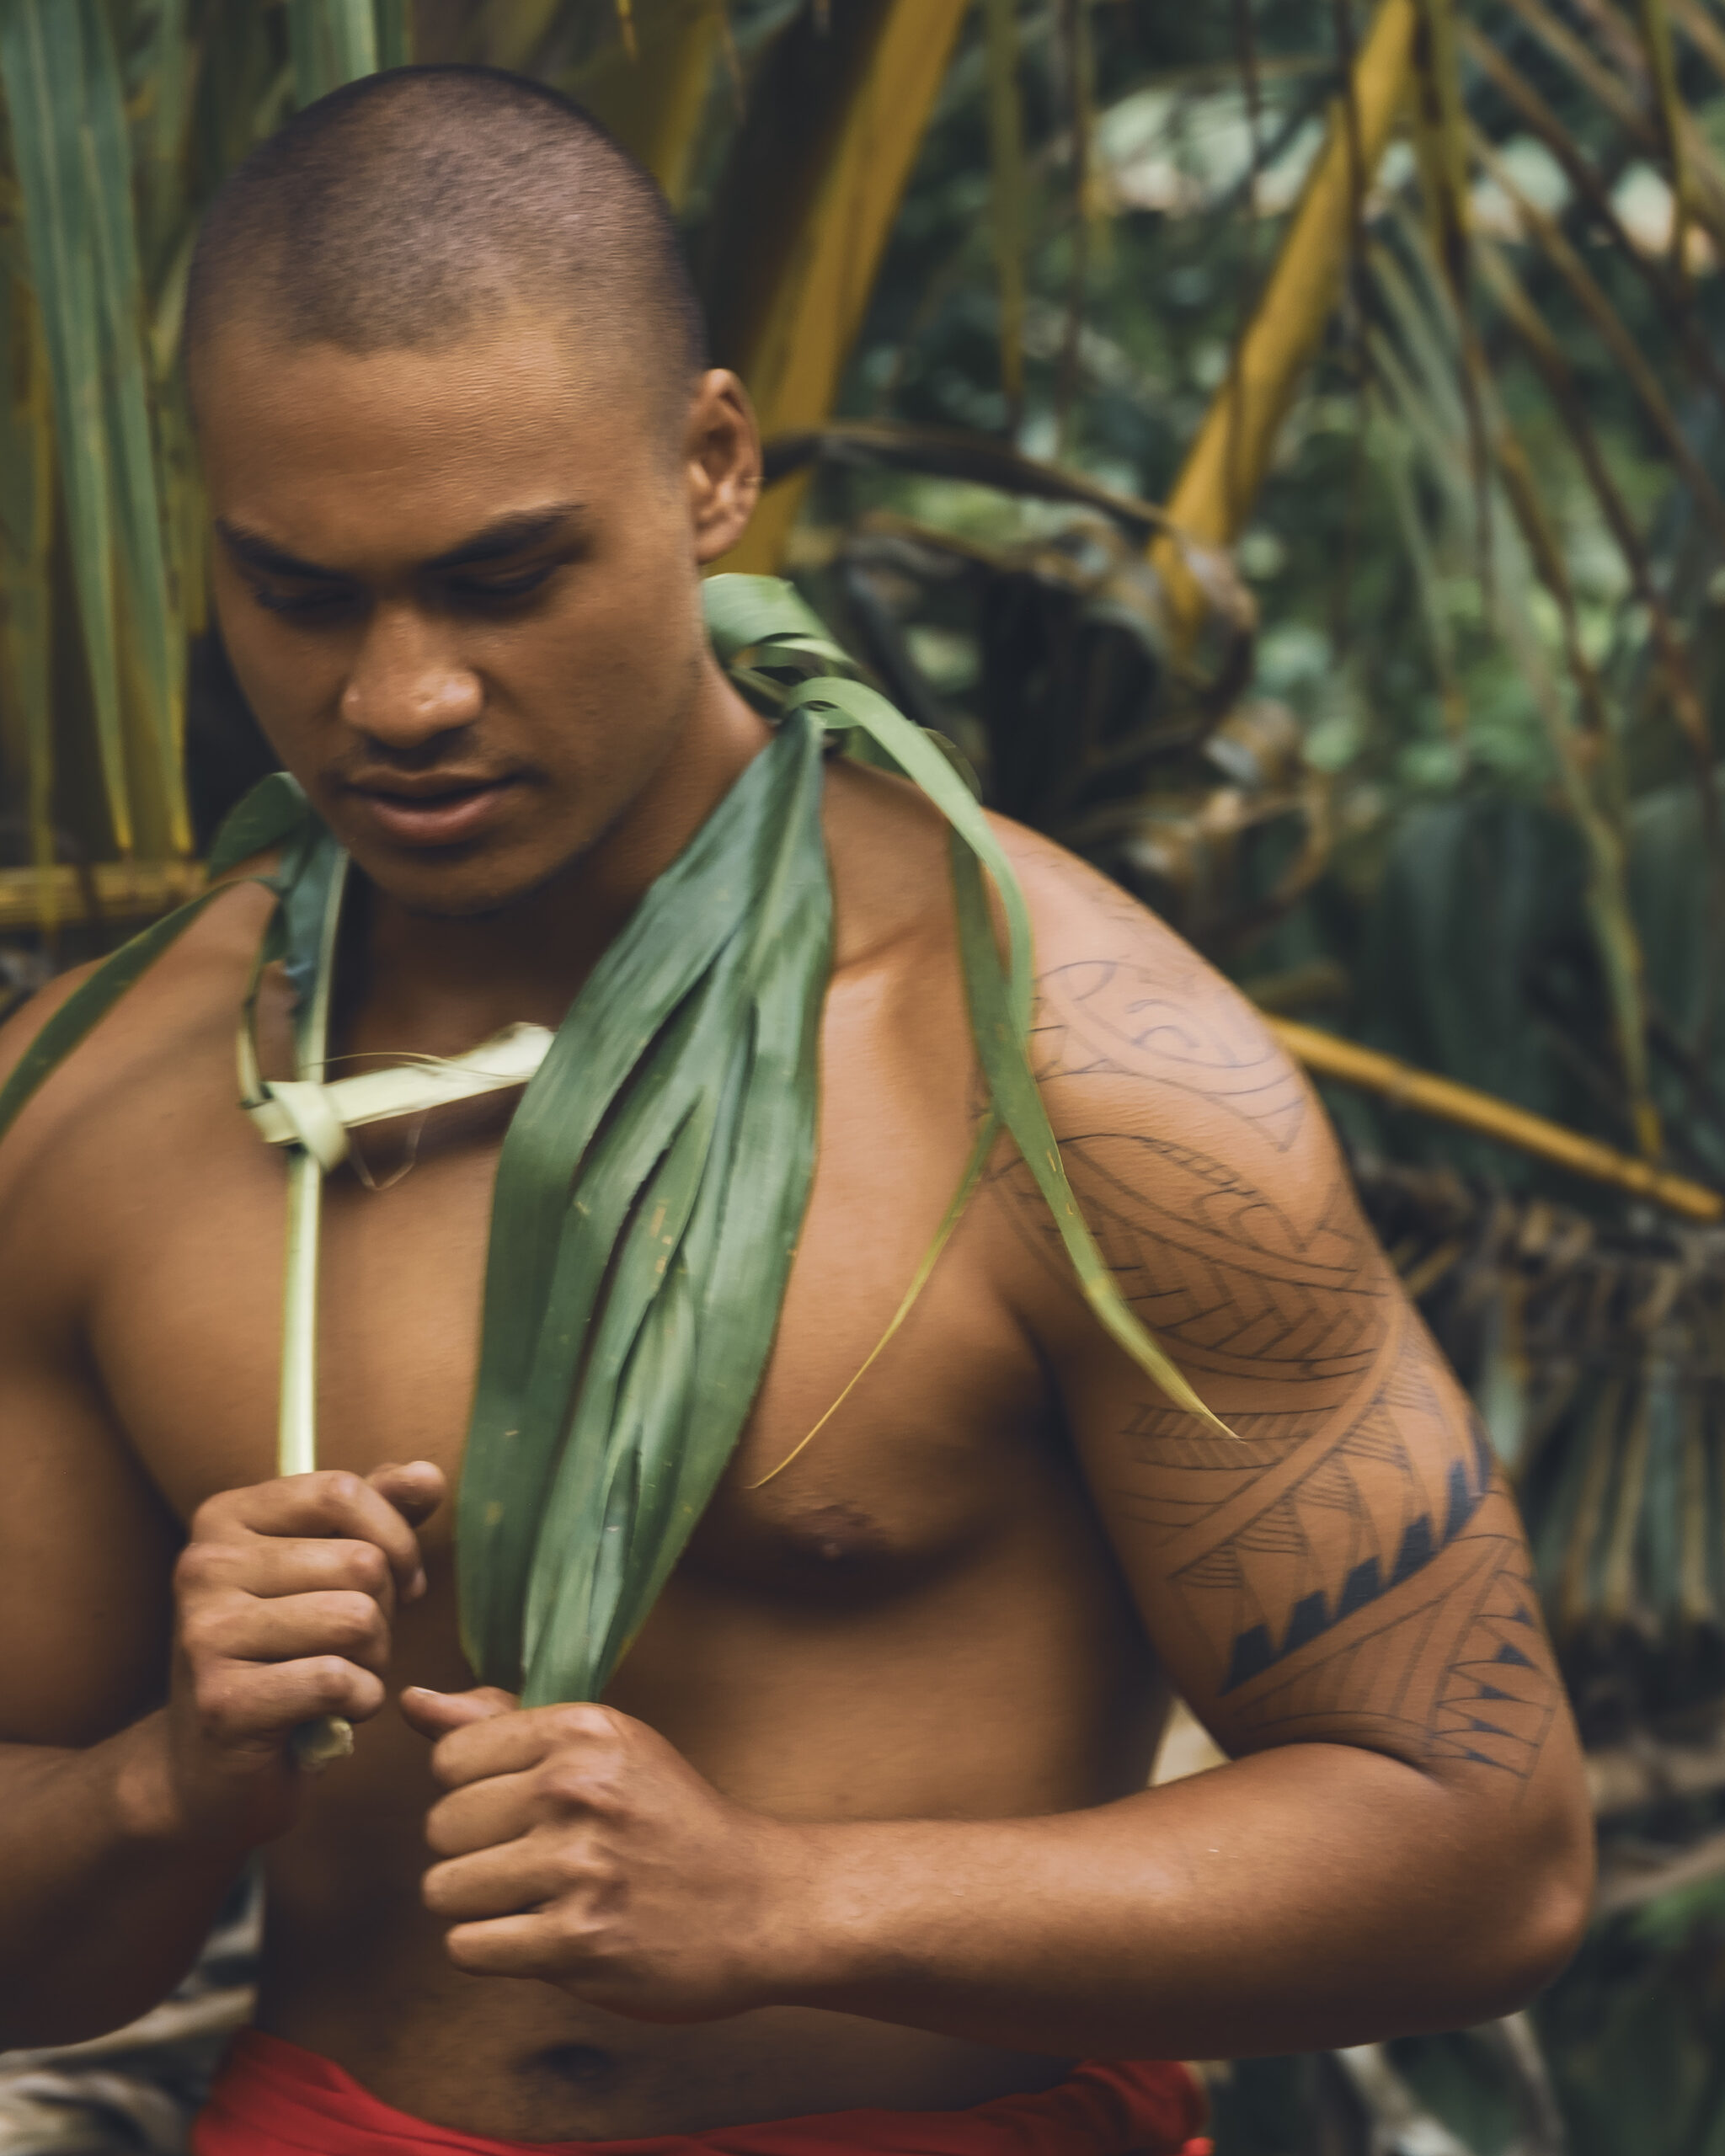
274	2098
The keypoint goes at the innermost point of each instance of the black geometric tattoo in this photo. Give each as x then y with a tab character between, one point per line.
1217	1268
1347	1527
1464	1674
1337	1556
1111	1016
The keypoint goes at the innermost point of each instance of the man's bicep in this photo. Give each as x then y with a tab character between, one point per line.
87	1550
1365	1581
1343	1566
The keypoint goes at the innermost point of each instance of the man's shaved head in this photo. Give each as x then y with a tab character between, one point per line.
413	208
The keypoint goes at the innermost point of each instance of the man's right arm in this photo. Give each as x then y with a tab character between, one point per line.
147	1703
150	1680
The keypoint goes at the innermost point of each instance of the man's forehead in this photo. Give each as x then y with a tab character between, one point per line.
513	379
324	452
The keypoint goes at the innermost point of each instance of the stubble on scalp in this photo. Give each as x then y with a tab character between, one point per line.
414	208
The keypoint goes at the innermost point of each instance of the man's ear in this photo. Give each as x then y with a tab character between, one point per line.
722	459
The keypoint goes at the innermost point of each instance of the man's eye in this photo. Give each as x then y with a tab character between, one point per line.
322	599
501	588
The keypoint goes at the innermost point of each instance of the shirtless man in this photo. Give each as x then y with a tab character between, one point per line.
862	1819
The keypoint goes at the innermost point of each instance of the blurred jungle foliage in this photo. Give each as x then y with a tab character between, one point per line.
1409	315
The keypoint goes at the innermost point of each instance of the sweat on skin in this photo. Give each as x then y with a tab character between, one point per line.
862	1820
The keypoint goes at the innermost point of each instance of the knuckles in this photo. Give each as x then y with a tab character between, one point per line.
206	1629
335	1682
213	1517
332	1496
365	1566
582	1722
199	1566
354	1623
221	1706
565	1783
437	1890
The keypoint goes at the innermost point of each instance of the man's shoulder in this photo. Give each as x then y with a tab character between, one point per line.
1134	1033
1134	1030
167	1023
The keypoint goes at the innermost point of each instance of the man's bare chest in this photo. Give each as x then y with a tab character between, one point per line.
185	1324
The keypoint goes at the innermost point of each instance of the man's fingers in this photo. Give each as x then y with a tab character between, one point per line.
331	1503
246	1701
484	1814
270	1566
511	1947
243	1628
416	1490
510	1743
435	1714
510	1880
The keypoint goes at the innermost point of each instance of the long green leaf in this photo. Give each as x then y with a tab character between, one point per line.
395	33
46	71
26	530
1620	341
1005	134
1662	71
166	75
1435	411
153	633
274	812
330	42
1000	1003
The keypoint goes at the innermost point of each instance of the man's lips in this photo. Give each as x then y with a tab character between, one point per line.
430	812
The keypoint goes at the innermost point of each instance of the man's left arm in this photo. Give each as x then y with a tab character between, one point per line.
1340	1588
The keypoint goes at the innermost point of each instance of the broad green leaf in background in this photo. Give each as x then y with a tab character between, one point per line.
151	632
68	129
1006	137
331	42
43	69
395	33
164	77
1579	740
26	531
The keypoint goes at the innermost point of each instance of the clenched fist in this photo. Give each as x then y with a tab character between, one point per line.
578	1847
284	1597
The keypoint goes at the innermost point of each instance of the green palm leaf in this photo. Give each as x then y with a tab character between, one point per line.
26	527
62	89
330	42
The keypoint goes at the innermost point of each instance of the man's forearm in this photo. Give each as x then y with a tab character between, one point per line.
105	1900
1306	1899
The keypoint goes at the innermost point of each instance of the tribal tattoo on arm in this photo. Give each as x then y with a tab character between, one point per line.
1348	1565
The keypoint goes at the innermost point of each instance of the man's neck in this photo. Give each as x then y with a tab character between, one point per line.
441	983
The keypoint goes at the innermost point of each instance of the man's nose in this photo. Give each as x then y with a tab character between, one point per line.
406	688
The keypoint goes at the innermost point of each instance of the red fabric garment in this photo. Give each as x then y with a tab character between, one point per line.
274	2098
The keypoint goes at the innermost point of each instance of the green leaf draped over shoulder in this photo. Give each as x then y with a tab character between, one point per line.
649	1196
653	1182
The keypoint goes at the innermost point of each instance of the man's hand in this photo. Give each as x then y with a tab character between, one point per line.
581	1849
284	1597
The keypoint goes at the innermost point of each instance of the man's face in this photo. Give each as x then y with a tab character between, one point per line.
460	589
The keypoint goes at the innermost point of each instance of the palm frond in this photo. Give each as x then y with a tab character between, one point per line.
1006	150
63	97
331	42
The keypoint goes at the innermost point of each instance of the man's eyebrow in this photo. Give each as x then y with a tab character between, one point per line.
260	554
491	543
508	534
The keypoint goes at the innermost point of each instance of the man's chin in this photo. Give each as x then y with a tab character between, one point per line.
472	887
